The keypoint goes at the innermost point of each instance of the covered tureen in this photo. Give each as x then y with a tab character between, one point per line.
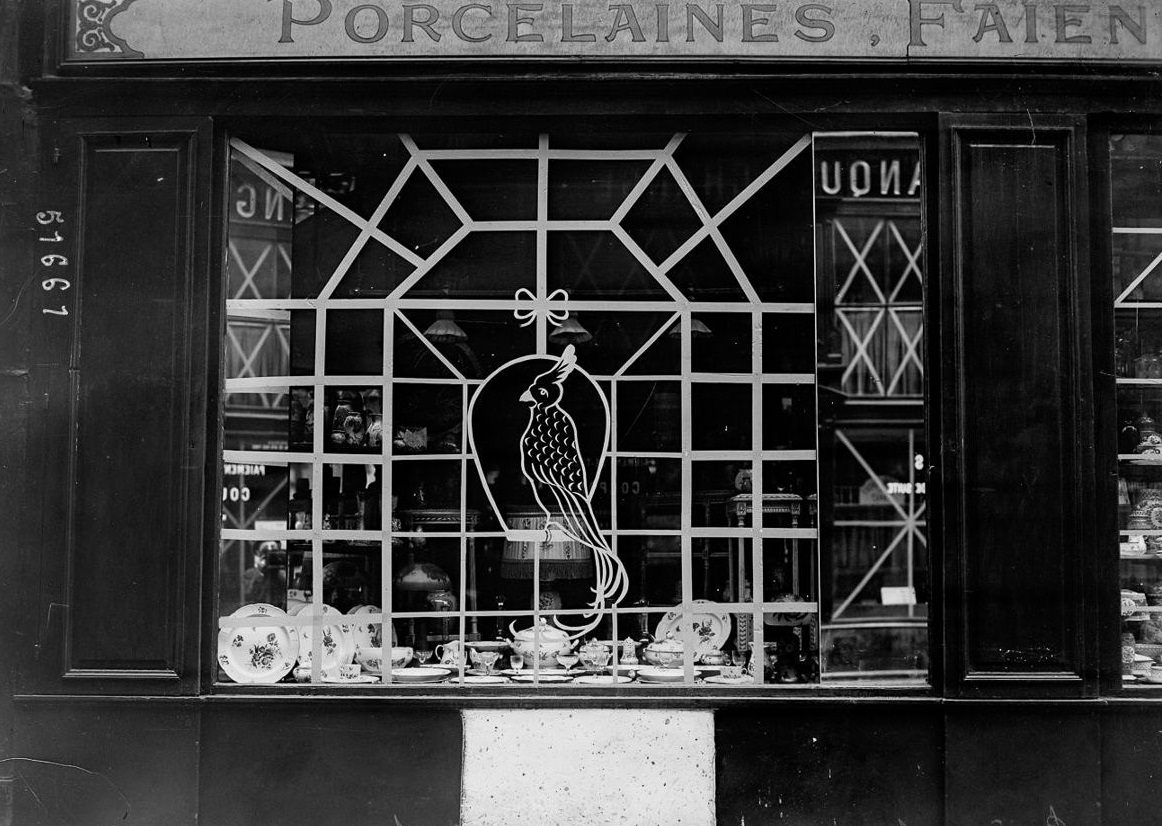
542	639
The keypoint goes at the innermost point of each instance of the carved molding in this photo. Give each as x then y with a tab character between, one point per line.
121	674
94	36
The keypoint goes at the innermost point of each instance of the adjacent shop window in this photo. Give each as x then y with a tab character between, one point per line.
870	260
1136	200
616	410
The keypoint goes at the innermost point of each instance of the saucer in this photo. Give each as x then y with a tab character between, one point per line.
420	674
718	679
362	679
655	674
603	679
480	679
527	677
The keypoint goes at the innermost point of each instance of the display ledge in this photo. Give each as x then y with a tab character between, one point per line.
1140	691
527	696
575	699
571	697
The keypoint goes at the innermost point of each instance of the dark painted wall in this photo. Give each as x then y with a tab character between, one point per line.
237	763
867	763
954	763
18	540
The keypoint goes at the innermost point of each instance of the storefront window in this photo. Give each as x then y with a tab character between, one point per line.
1136	200
610	410
871	290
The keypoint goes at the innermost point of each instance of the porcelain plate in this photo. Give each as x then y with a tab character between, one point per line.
260	653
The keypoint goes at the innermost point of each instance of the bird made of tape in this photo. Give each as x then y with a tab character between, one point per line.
548	420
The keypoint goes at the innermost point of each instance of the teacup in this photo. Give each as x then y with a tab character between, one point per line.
732	672
401	656
347	671
715	658
1154	675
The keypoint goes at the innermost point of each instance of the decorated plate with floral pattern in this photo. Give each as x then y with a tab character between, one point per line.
711	628
337	646
368	634
262	653
362	679
718	679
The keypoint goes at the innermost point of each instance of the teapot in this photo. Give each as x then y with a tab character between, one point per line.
541	641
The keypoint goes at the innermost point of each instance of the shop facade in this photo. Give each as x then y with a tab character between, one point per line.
466	412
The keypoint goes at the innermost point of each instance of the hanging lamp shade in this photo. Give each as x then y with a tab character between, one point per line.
445	330
697	329
422	576
570	331
559	559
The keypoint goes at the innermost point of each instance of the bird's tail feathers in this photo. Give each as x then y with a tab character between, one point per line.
612	586
575	632
612	581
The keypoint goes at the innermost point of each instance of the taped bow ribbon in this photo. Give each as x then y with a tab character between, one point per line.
528	315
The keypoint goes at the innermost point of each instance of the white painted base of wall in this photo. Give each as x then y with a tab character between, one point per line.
586	767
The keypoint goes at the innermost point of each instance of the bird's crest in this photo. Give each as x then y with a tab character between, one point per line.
564	366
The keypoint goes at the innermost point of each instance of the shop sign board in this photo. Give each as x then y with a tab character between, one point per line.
902	31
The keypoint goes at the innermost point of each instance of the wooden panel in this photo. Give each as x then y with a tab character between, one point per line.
854	763
1014	431
130	378
356	764
90	761
1010	764
1020	424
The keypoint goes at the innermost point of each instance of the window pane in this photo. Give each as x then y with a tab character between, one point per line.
871	359
547	407
1136	198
